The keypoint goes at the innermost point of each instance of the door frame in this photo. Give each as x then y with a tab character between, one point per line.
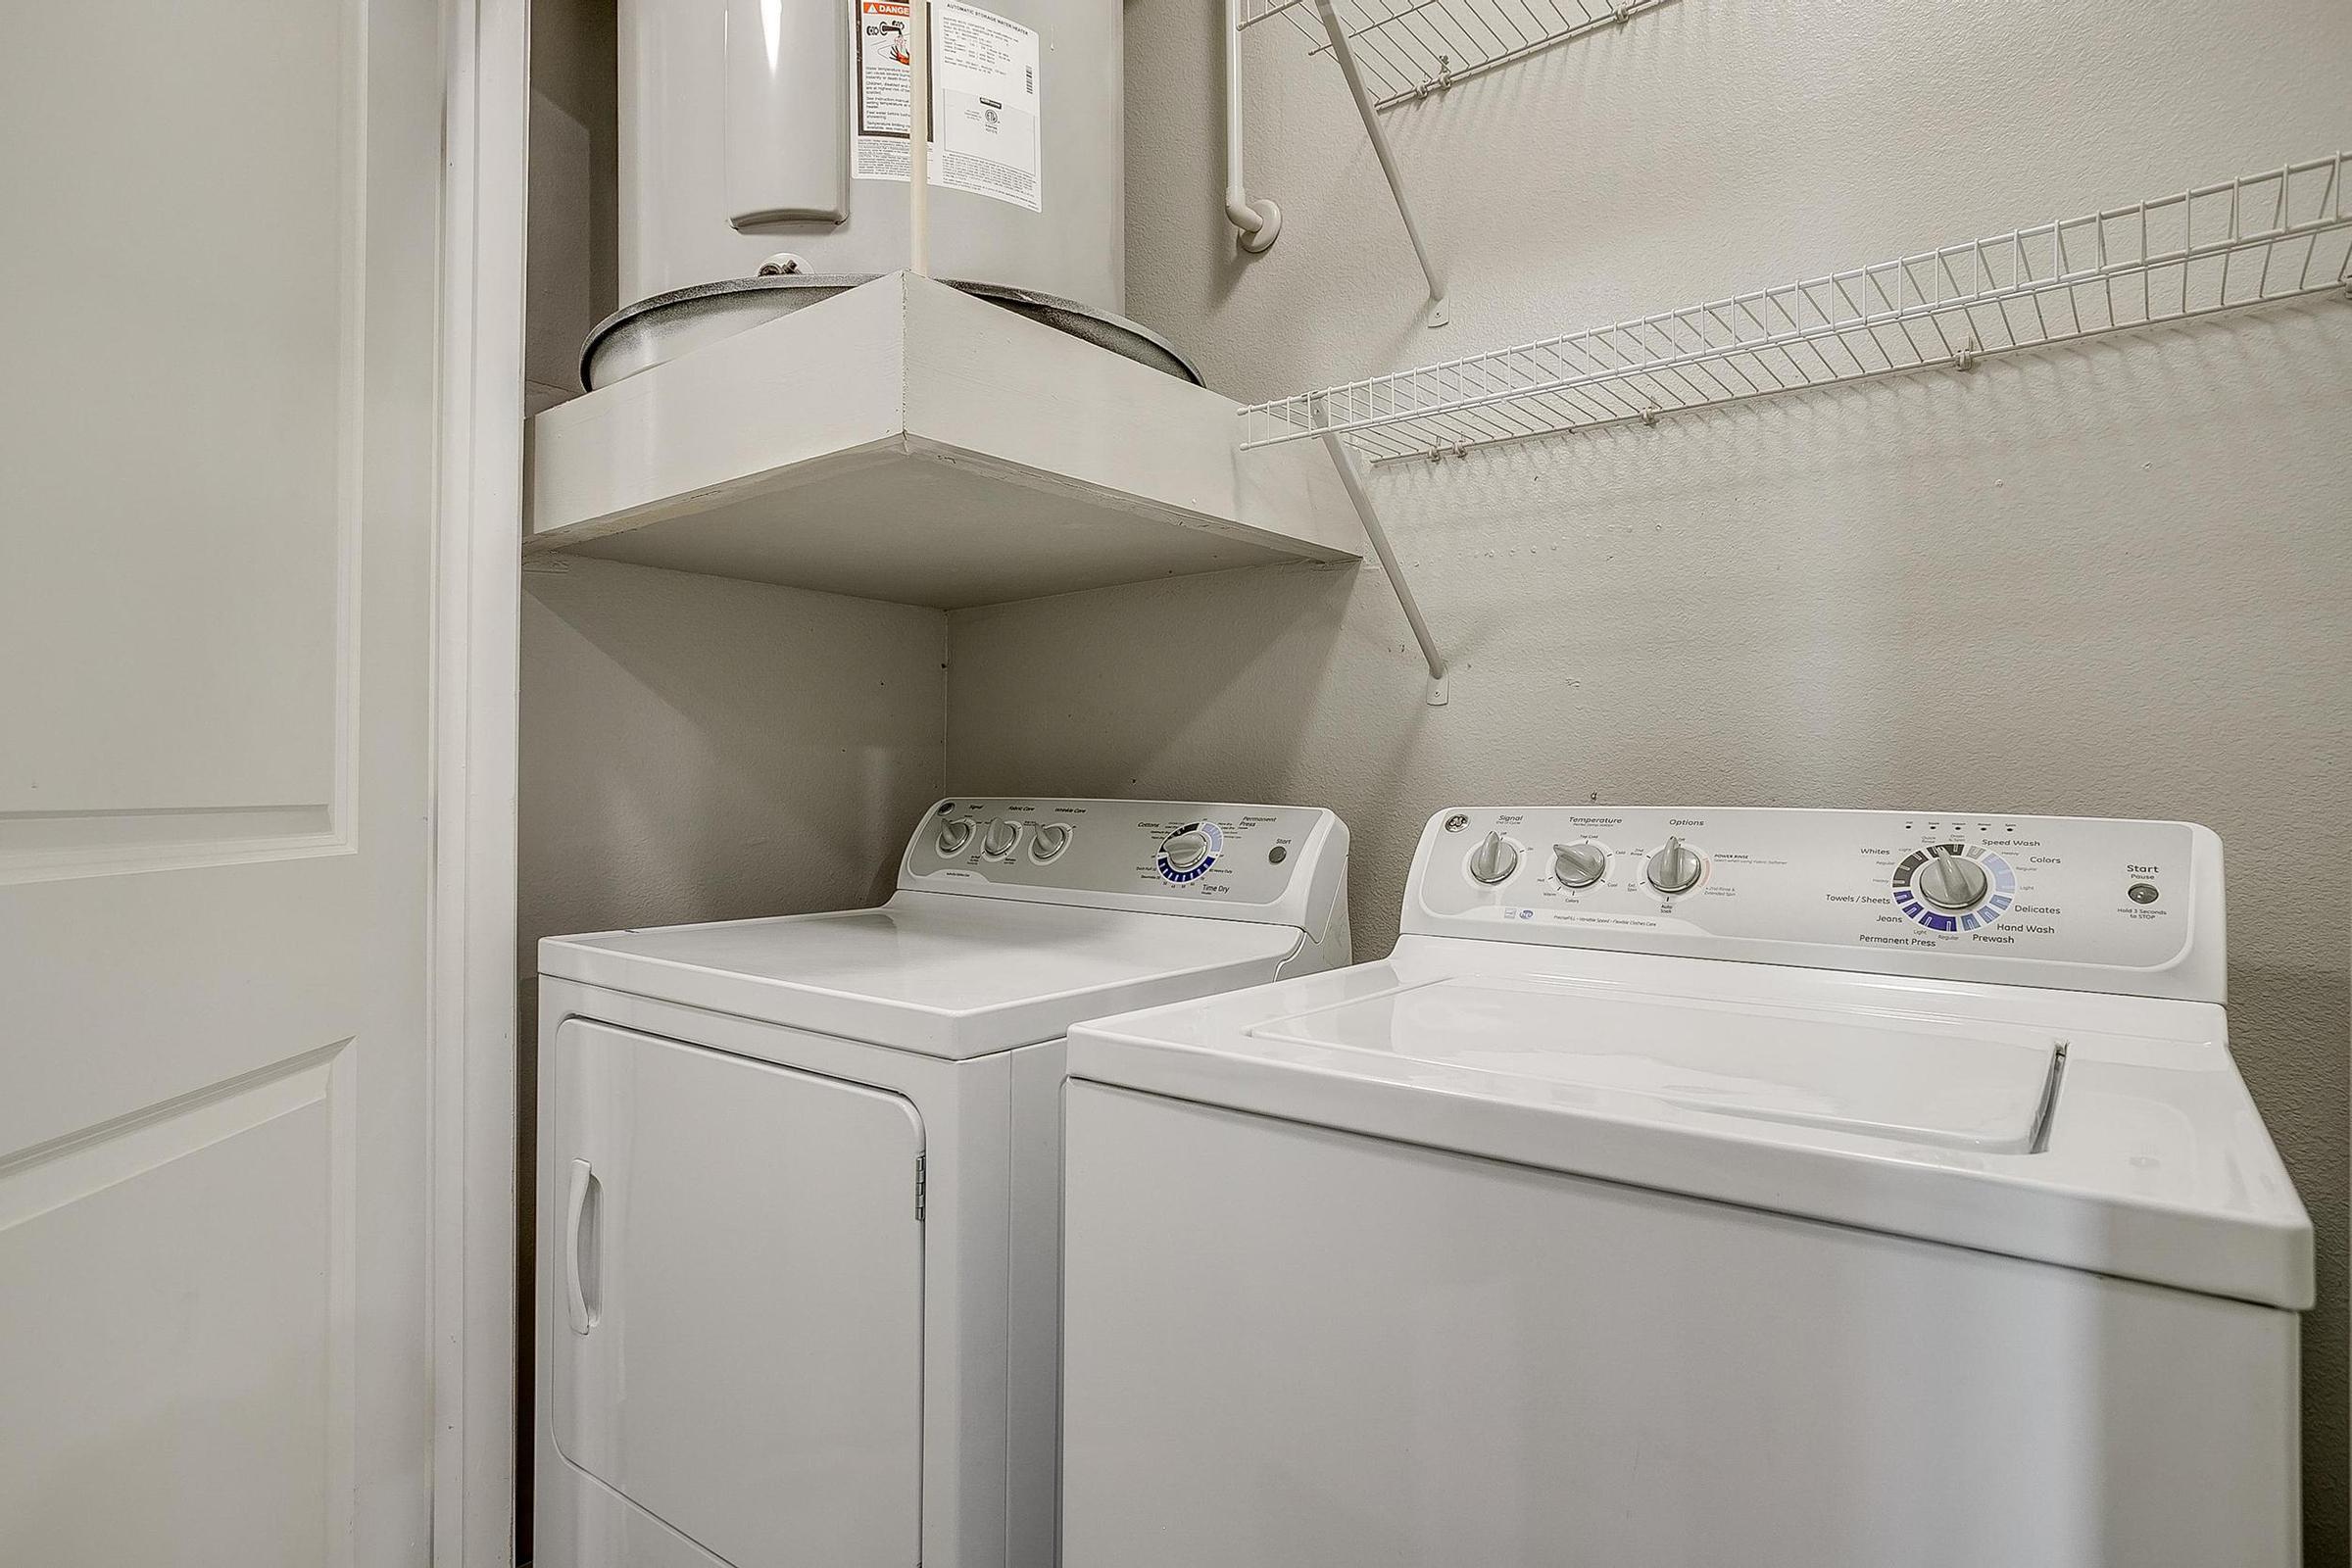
476	722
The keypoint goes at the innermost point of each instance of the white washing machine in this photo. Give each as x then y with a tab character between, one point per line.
1697	1188
797	1214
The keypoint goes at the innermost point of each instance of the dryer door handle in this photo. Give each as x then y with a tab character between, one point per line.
580	1225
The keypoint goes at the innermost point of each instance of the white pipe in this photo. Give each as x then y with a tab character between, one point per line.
919	138
1259	222
1369	516
1366	112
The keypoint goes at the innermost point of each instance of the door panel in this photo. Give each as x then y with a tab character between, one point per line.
738	1263
184	349
203	1250
216	529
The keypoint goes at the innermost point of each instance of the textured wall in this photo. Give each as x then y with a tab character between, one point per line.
572	75
699	749
2109	580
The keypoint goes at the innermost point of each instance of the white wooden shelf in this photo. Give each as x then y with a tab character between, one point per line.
1409	49
2280	234
907	442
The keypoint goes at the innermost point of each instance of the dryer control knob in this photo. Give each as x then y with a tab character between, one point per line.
1002	837
954	835
1048	841
1676	867
1493	860
1578	866
1186	850
1951	882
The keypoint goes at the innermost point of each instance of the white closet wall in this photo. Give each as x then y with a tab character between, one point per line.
701	749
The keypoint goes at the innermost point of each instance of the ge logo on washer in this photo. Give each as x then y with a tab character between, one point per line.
1186	855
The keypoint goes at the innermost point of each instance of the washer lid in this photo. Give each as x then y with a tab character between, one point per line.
1932	1109
1922	1080
947	976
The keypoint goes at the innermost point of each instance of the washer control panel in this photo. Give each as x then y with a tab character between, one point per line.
1168	852
1899	892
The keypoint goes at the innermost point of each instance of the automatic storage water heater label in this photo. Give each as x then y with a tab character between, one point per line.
985	122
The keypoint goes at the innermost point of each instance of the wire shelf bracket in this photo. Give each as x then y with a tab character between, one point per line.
1390	52
1366	111
1394	52
1410	49
1378	535
2281	234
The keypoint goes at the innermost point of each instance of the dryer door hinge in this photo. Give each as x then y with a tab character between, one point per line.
919	1180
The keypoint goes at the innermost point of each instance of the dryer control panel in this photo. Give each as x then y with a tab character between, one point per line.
2076	903
1249	863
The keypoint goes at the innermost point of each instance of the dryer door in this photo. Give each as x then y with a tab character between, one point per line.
736	1334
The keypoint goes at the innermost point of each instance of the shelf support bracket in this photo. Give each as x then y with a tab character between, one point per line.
1369	516
1257	223
1337	32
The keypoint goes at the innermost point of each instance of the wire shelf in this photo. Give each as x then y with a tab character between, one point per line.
2262	238
1411	48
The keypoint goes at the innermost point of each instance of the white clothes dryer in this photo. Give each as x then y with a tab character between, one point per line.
798	1208
1698	1187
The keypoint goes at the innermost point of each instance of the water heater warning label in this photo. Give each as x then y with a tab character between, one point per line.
985	117
885	88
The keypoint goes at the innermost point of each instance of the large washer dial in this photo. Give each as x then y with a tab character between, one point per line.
1954	887
1952	883
1186	855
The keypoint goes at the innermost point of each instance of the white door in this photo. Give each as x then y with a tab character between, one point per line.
218	247
734	1311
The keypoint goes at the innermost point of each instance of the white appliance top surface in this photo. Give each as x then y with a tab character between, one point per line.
1920	1107
941	975
1015	916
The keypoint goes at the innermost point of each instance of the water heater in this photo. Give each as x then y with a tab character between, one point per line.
750	127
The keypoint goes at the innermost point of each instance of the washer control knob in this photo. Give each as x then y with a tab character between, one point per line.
1676	867
1002	837
1493	860
1048	841
1186	850
1578	866
1950	881
955	834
